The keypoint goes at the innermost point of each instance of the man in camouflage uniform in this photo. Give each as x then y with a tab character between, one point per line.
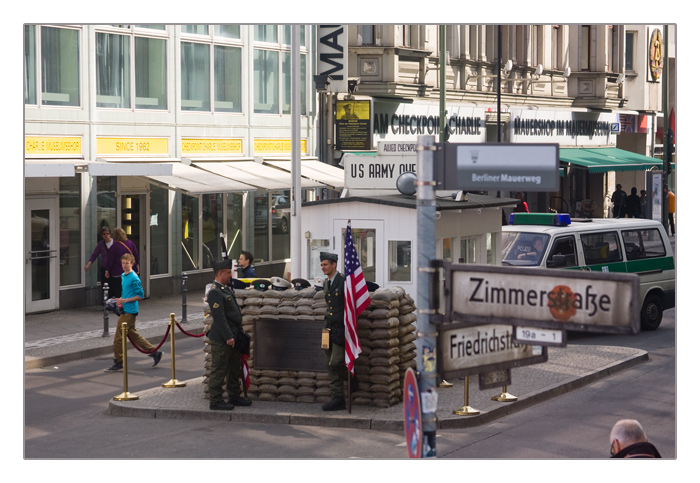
225	357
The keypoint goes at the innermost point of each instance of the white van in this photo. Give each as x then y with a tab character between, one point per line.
626	245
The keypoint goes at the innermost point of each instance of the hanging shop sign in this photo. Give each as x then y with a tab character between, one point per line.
656	55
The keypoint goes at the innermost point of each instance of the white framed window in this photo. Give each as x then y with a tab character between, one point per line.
272	69
59	67
211	68
131	67
630	50
400	266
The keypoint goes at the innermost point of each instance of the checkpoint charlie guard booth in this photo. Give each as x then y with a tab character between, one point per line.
384	222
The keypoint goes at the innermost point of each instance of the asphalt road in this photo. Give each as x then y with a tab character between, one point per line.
64	418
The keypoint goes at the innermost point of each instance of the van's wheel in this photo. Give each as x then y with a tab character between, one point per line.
652	313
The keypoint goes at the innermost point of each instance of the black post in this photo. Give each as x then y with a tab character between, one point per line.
184	297
498	86
105	295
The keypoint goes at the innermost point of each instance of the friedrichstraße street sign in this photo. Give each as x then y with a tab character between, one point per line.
465	350
550	299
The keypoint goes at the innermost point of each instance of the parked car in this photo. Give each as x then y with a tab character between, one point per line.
279	213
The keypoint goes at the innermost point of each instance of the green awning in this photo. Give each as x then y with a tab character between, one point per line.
602	160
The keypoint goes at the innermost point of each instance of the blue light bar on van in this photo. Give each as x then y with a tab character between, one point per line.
547	219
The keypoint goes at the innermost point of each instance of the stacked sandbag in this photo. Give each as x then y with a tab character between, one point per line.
386	330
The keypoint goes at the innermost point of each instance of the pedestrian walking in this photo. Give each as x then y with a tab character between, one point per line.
132	293
633	205
101	250
671	211
618	199
121	246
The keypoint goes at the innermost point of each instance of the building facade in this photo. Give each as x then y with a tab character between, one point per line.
596	90
168	131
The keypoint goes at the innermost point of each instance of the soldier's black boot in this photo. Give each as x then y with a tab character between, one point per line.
335	404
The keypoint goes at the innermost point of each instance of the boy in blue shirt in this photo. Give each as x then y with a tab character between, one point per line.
132	292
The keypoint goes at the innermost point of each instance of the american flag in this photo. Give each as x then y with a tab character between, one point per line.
245	373
356	300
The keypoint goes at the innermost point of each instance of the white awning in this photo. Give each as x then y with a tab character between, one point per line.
257	175
51	167
197	181
315	170
130	169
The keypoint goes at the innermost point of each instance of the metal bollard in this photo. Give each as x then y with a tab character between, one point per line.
126	395
504	396
105	295
173	382
466	410
184	297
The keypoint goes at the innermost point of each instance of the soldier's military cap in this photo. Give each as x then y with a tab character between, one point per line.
279	283
223	264
260	284
300	283
333	257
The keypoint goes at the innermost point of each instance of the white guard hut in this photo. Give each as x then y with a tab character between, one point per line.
384	229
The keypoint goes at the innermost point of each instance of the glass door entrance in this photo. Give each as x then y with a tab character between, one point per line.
41	255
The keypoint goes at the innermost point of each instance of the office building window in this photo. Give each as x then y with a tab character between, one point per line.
266	80
30	64
365	34
212	72
196	78
585	49
150	73
113	71
227	78
195	29
60	66
272	65
630	42
228	31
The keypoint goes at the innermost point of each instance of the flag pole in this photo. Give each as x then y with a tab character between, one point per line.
349	375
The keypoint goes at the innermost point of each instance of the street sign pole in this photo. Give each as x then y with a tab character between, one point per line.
427	335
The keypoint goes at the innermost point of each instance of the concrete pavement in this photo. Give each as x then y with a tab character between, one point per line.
67	335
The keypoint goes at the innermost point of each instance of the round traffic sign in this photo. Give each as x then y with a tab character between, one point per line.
412	415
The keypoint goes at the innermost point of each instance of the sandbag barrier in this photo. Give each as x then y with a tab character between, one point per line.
386	329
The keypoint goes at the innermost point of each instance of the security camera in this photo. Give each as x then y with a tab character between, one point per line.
322	81
352	84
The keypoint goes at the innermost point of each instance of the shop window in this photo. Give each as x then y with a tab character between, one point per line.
189	243
399	261
315	247
60	67
234	225
212	218
160	227
70	217
107	202
468	250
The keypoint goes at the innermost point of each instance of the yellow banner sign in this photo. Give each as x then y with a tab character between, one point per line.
36	145
132	146
212	146
276	146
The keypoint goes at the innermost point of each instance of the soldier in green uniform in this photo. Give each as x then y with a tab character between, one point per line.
225	357
334	294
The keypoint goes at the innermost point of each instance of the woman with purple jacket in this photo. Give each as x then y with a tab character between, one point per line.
101	250
113	266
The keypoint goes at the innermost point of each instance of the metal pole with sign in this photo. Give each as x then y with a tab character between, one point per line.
426	340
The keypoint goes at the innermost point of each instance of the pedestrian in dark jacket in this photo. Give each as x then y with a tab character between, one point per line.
113	266
633	205
628	440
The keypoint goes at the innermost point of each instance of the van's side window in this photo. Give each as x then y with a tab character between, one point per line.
601	247
565	246
643	244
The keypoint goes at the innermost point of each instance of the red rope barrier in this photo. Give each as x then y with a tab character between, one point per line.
155	349
188	333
